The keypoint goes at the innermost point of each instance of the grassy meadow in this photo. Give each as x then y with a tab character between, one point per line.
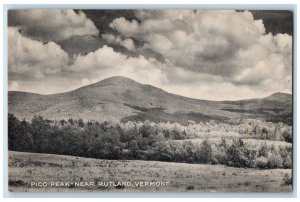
25	168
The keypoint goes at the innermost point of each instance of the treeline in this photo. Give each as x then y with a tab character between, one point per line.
236	128
261	129
233	152
144	141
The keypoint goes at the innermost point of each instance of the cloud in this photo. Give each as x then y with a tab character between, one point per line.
105	62
228	44
32	58
13	85
52	24
81	44
110	38
103	58
126	43
268	62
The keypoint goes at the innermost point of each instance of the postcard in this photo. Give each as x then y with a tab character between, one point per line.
154	100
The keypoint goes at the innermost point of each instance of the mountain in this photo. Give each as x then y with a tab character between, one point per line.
122	99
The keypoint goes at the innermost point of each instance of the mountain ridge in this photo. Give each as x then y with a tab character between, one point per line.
123	99
120	79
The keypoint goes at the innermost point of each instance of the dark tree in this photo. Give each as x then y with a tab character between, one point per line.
71	121
133	149
80	123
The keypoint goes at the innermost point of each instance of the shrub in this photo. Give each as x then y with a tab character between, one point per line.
239	155
275	161
190	187
214	160
221	157
287	136
133	149
287	180
263	151
205	152
262	162
287	162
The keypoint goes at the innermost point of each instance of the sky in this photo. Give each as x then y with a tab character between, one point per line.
203	54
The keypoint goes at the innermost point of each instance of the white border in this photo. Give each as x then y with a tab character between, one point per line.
183	3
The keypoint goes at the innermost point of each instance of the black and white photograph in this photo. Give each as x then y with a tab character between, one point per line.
150	100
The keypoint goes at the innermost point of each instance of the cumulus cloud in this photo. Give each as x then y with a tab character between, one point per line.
127	43
52	24
227	43
105	62
33	58
110	38
103	58
13	85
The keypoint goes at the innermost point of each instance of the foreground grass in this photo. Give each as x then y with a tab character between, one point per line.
25	168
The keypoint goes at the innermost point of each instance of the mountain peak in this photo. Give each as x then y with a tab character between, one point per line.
116	80
279	96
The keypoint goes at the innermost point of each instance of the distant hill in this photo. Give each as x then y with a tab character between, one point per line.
122	99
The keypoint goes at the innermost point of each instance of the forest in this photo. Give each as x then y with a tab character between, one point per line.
246	143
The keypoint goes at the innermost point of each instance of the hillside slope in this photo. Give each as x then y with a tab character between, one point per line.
122	99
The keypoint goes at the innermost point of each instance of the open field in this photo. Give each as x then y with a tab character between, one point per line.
25	168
